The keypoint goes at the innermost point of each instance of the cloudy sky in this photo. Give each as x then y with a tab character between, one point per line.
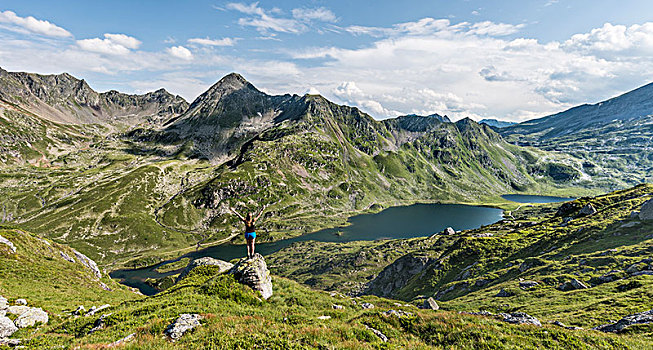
510	59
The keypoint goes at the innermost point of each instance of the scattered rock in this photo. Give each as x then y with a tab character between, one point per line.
611	276
484	234
7	327
397	313
480	313
378	333
93	310
367	305
255	274
183	324
67	257
90	264
528	285
205	261
638	318
645	272
449	231
10	342
646	213
31	317
17	309
324	317
630	224
430	304
396	275
587	210
560	324
520	318
105	287
634	214
8	243
572	285
337	307
98	324
3	302
567	208
20	302
80	310
122	340
504	293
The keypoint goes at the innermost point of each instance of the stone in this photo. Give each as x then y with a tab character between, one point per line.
560	324
587	210
324	317
20	302
3	302
504	293
98	324
367	305
93	310
397	313
122	340
67	257
205	261
31	317
8	243
337	307
88	263
80	310
17	309
183	324
520	318
646	213
449	231
528	285
10	342
638	318
7	327
430	304
378	333
254	273
574	284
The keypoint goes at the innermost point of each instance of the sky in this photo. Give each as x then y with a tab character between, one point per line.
510	60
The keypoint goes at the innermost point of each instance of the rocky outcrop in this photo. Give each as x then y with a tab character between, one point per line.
572	285
378	333
525	285
12	247
430	304
504	293
587	210
254	273
646	213
520	318
31	317
396	275
93	310
205	261
638	318
183	324
7	327
89	263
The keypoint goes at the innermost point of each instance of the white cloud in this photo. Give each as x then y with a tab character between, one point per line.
494	29
33	25
212	42
613	38
180	52
313	91
432	26
349	92
113	44
317	14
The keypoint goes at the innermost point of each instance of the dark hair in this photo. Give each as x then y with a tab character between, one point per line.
249	216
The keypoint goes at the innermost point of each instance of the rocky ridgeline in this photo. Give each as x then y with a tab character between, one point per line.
25	317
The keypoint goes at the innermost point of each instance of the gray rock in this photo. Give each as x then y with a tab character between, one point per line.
560	324
17	309
10	342
367	305
98	324
378	333
80	310
88	263
324	317
430	304
528	285
646	213
31	317
638	318
93	310
337	307
587	210
205	261
645	272
449	231
122	340
396	275
480	313
7	327
20	302
255	274
8	243
3	313
572	285
67	257
634	214
3	302
520	318
397	313
504	293
183	324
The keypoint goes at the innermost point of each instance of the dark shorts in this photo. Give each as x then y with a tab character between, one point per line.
250	235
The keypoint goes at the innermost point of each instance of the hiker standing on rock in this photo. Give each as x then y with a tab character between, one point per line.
250	228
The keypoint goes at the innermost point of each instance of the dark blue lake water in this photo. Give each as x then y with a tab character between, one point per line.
525	198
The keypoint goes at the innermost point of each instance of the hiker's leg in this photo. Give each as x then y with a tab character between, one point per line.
254	239
249	248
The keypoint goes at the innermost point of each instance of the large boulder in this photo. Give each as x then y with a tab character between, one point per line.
638	318
183	324
254	273
646	213
587	210
205	261
520	318
31	317
7	327
430	304
572	285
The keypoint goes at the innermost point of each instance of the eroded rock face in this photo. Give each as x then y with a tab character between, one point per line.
646	213
89	263
8	243
205	261
183	324
254	273
7	327
638	318
528	284
396	275
587	210
430	304
520	318
572	285
31	317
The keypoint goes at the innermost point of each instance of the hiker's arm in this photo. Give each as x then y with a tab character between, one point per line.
261	212
235	212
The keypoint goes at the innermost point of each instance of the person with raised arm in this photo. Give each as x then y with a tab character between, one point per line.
250	228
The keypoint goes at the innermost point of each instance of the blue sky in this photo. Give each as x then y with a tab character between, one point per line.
511	60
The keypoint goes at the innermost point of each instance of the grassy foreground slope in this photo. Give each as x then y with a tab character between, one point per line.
607	251
234	317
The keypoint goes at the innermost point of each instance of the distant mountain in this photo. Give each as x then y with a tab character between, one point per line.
440	118
65	99
496	123
627	107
